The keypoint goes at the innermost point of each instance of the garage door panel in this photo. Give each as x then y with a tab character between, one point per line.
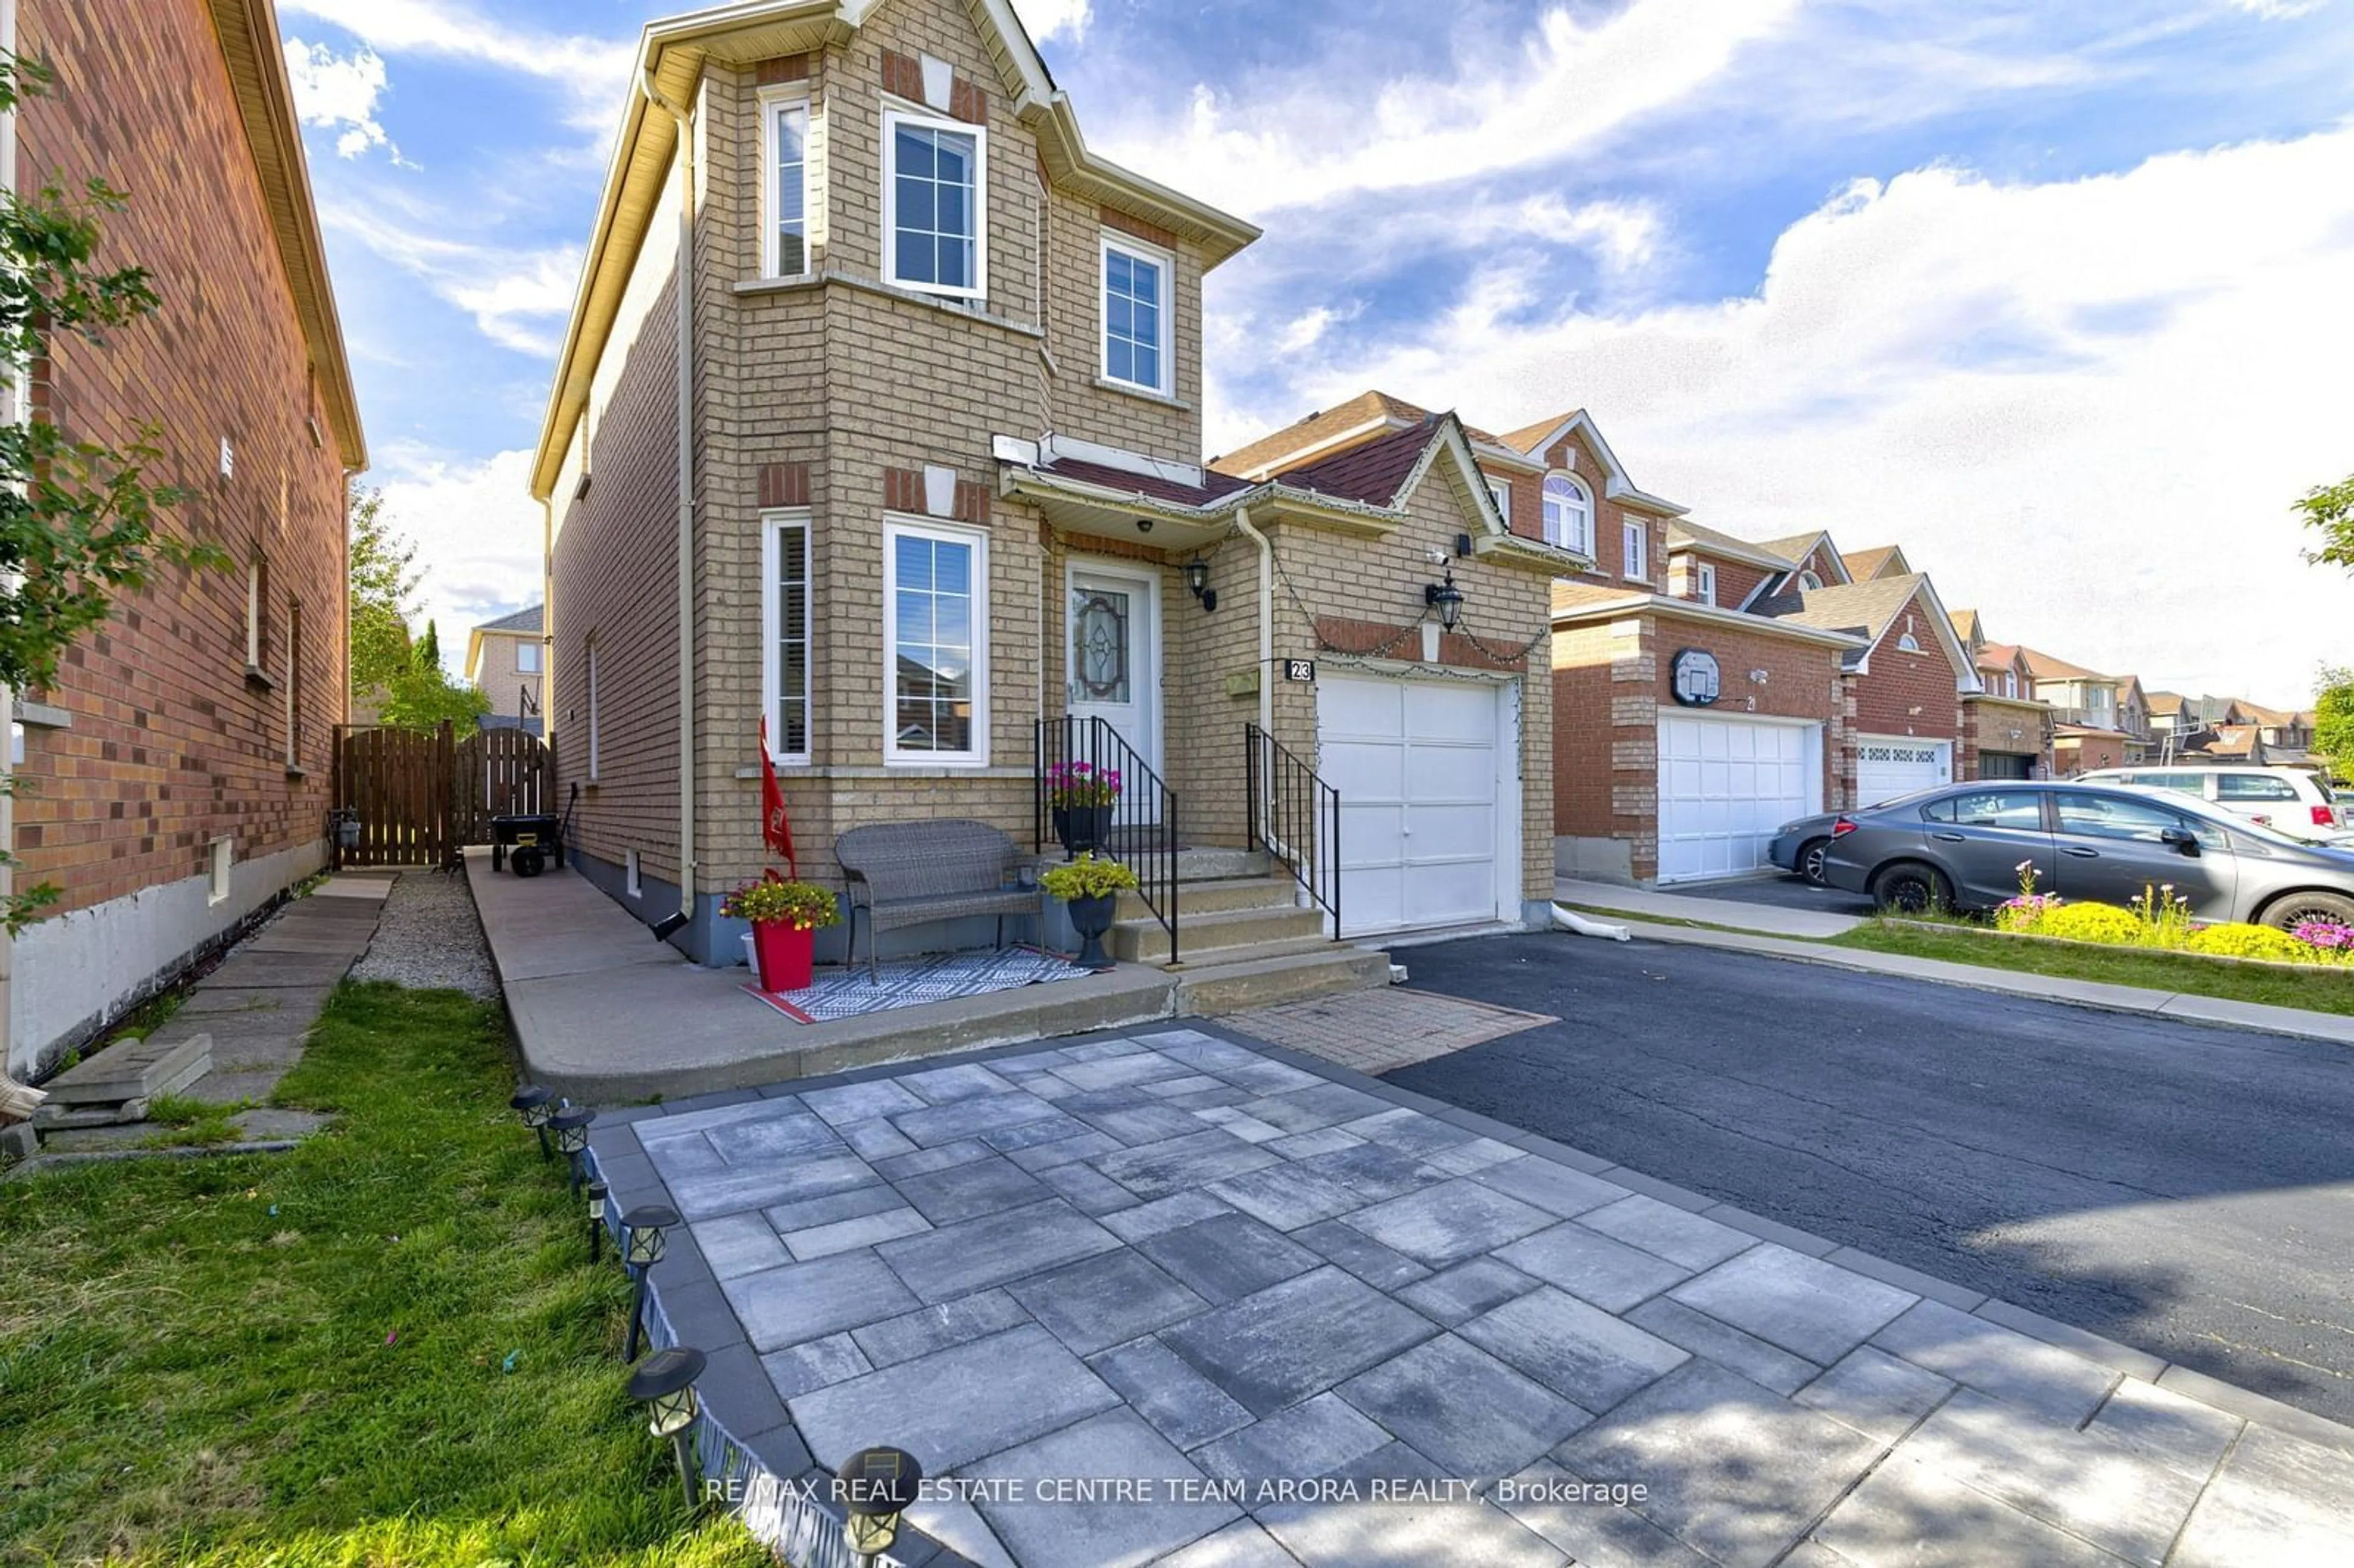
1889	766
1435	713
1452	833
1725	784
1359	708
1415	763
1449	773
1453	893
1370	836
1375	770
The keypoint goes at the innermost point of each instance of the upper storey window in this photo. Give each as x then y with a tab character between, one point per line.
1568	514
934	192
1136	288
788	255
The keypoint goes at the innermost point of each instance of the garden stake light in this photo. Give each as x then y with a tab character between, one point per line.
876	1485
597	1191
666	1382
534	1105
645	1237
570	1130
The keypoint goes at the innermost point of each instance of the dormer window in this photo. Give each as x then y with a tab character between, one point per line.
1568	514
1809	581
1707	589
1908	644
935	189
1135	315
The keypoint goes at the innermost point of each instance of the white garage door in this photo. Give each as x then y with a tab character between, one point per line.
1422	825
1889	765
1725	784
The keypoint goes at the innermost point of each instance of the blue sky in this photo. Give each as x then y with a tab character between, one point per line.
2060	297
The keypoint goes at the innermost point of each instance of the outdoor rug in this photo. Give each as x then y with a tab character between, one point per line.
908	982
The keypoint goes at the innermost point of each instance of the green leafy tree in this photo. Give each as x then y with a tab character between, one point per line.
382	587
423	695
2333	722
80	525
2330	509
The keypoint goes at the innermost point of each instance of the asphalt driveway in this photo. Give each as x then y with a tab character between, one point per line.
2186	1189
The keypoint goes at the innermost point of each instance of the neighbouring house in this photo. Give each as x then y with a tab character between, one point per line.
506	660
1768	681
2088	732
177	775
2134	720
2006	729
910	466
2287	735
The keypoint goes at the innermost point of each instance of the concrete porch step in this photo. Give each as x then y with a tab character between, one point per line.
1211	864
1263	979
1146	940
1217	897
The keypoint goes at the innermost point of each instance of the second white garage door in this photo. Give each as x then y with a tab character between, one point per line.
1725	784
1887	766
1422	819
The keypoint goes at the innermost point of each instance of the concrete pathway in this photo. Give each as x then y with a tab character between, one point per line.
1377	1030
1771	919
1183	1298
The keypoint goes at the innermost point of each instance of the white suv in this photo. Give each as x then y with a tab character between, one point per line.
2286	799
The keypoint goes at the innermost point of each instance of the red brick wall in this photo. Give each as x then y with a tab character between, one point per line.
1582	732
1901	681
169	746
1572	452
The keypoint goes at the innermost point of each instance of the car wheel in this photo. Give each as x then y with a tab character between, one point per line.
1810	860
1908	887
2328	908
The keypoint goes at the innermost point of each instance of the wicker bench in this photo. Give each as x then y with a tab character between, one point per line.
909	874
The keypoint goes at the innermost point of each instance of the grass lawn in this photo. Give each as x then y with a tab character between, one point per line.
384	1347
2322	990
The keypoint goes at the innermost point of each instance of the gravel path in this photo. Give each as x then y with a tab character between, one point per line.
431	937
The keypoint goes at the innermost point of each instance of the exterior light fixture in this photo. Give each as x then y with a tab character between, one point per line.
1197	577
1144	524
1446	599
535	1104
876	1486
665	1385
597	1191
570	1128
645	1237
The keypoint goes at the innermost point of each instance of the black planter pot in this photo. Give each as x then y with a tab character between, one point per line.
1082	828
1091	917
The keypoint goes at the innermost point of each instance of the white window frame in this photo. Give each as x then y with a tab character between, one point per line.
792	97
527	648
1634	549
892	120
1581	541
774	526
896	526
1152	256
1502	490
253	591
1706	577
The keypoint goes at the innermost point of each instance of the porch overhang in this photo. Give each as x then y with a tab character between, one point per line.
1102	512
1530	555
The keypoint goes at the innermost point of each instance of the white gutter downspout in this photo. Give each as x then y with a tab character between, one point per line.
669	924
547	618
1265	618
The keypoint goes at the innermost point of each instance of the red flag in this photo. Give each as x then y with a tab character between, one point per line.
775	826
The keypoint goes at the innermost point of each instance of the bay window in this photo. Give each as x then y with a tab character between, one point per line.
935	191
934	643
785	622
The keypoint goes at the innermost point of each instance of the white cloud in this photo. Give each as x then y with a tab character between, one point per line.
1048	19
2084	406
1565	87
340	92
2278	10
519	299
478	533
593	71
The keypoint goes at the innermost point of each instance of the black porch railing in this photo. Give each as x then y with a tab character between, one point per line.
1143	831
1295	816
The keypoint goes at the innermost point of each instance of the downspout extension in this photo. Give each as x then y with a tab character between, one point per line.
671	925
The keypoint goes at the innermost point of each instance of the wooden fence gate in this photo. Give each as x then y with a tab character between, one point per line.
499	773
419	794
396	782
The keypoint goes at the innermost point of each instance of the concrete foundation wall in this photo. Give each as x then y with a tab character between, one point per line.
1594	859
78	973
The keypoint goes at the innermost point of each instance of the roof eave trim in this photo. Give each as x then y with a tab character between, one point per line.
1715	614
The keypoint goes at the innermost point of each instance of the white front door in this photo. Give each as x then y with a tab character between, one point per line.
1887	766
1427	827
1725	784
1113	664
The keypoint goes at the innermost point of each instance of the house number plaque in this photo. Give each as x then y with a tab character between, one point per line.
1300	668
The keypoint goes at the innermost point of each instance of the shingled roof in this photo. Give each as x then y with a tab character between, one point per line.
1128	482
1371	473
527	619
2044	667
1860	609
1683	534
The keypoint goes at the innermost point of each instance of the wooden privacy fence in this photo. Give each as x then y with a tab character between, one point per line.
419	794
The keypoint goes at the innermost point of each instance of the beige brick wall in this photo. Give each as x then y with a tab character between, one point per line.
501	678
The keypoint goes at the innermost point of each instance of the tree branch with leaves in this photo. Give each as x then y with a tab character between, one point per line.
2330	509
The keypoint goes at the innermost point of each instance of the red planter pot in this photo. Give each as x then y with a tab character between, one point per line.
786	953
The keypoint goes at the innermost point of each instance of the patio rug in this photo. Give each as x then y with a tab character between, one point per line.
908	982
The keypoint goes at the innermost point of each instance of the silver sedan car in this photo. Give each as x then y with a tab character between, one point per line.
1961	847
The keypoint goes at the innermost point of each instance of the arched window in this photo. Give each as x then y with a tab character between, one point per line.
1568	514
1809	581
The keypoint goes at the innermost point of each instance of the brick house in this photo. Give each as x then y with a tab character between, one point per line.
912	462
1769	681
2006	729
506	660
2088	724
178	772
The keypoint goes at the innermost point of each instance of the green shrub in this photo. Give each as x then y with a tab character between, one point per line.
2092	922
2237	941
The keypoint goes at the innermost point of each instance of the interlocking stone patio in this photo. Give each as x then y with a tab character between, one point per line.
1190	1262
